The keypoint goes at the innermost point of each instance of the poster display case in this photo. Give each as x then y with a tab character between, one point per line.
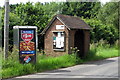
25	39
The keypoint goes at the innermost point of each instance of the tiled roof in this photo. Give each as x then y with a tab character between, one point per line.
71	22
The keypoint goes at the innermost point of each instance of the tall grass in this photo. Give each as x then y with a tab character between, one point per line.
1	62
56	62
102	50
11	67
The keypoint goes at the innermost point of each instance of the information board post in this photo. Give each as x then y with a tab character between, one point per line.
26	43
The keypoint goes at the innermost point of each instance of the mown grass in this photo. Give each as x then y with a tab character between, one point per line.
12	67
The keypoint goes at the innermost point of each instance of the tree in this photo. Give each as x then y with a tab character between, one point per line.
81	9
108	14
0	28
14	20
40	14
51	9
100	31
31	15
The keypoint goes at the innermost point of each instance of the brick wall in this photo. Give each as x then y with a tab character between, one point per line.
69	40
48	40
86	41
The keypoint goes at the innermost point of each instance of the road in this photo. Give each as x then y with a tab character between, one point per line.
107	68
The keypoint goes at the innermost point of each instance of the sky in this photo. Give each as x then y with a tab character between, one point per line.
24	1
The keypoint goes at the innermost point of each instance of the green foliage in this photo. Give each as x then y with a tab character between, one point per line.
100	31
116	45
17	69
31	14
0	29
40	14
103	28
56	62
108	14
37	15
1	62
12	67
51	9
101	50
81	9
13	21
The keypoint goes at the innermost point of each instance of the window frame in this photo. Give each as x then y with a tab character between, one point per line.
58	49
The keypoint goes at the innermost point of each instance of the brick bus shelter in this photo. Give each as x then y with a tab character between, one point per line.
65	32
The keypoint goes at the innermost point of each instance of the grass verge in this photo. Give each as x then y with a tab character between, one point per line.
12	68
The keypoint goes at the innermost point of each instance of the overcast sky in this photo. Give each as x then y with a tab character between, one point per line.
24	1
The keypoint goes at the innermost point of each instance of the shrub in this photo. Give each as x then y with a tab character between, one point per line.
102	31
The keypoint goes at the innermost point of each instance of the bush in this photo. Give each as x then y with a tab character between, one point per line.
101	31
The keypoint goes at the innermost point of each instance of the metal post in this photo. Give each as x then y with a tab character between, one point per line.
6	29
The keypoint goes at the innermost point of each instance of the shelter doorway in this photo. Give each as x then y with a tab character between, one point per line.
79	42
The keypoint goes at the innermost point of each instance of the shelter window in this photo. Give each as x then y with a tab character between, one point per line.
58	41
